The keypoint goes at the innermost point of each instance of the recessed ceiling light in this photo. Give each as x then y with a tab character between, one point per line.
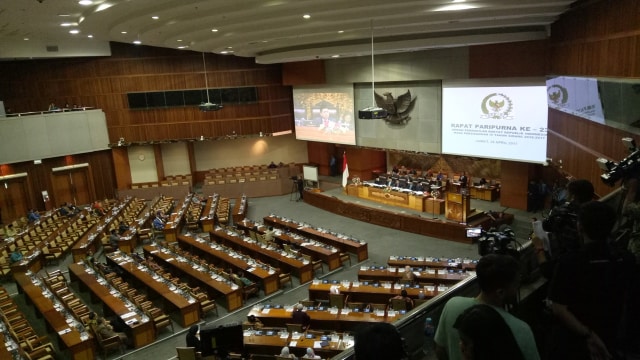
224	52
179	40
340	31
69	24
182	47
306	16
335	56
26	39
90	36
137	42
123	32
64	15
214	30
74	31
455	7
85	2
155	17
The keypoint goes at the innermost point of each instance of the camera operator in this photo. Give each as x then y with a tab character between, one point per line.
561	226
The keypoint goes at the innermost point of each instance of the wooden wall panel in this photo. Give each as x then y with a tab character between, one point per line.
304	73
525	58
515	178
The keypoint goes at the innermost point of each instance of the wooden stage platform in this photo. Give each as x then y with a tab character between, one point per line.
414	223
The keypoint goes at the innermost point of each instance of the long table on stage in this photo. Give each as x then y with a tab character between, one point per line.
213	253
325	319
214	288
345	245
391	197
490	193
272	344
304	269
139	328
440	276
189	310
368	294
69	337
328	256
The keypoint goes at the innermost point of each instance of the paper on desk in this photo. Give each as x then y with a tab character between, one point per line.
128	315
541	234
64	331
317	344
265	311
293	343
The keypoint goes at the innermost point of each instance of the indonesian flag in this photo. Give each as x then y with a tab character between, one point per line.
345	170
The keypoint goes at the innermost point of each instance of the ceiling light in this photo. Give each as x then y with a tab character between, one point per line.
85	2
64	15
26	39
335	56
340	31
103	6
74	31
123	32
306	16
69	24
137	42
182	47
155	17
214	30
90	36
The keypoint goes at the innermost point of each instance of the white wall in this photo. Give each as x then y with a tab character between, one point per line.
142	163
175	159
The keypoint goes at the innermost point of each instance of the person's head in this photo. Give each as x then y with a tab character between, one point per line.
92	315
270	228
324	113
113	231
299	307
379	341
284	351
484	335
100	320
498	277
404	293
10	226
310	352
407	268
580	191
252	319
193	330
595	221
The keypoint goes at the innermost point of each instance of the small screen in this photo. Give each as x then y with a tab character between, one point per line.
474	232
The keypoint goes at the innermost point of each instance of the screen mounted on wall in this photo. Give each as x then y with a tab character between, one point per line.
498	121
324	114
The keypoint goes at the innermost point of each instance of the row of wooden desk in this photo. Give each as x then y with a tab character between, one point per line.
139	327
173	225
358	292
329	256
431	262
80	346
197	275
185	306
215	253
434	276
360	248
286	262
270	344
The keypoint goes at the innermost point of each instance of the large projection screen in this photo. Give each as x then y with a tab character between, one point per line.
324	114
497	120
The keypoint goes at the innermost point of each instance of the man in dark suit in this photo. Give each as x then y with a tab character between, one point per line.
300	317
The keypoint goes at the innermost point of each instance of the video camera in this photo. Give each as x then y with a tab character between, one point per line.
502	241
627	166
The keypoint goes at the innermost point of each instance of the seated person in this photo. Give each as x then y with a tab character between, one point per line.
193	338
122	228
152	264
254	322
89	258
310	354
408	274
482	182
403	295
106	331
244	279
33	216
114	239
97	208
10	231
159	221
300	317
286	354
269	235
272	165
63	210
15	256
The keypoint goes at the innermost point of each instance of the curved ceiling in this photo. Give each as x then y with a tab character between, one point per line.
272	31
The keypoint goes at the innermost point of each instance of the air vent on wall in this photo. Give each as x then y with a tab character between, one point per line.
52	48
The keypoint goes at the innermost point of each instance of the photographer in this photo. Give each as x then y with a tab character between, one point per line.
561	226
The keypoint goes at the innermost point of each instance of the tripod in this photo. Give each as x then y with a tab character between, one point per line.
295	192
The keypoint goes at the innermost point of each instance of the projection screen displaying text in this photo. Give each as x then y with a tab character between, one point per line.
325	114
497	122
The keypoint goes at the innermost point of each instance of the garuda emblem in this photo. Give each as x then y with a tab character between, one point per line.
398	110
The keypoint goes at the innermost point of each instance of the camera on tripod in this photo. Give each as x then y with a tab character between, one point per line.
501	241
627	166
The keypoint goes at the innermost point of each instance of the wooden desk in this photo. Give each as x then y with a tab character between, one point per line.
344	244
484	193
329	256
188	307
303	269
198	277
429	262
434	206
80	349
324	320
207	219
215	253
272	344
428	276
173	225
139	328
240	208
369	294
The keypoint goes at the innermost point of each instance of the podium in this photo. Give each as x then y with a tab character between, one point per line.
458	207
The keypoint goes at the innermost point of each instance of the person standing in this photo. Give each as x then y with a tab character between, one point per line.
300	317
498	278
588	290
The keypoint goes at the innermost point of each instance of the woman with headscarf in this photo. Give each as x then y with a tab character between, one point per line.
310	354
286	354
193	340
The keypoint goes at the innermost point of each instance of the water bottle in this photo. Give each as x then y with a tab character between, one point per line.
429	344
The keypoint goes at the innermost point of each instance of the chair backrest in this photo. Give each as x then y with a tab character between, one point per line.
186	353
291	328
399	304
336	300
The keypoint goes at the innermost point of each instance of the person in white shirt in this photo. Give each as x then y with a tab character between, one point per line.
310	354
